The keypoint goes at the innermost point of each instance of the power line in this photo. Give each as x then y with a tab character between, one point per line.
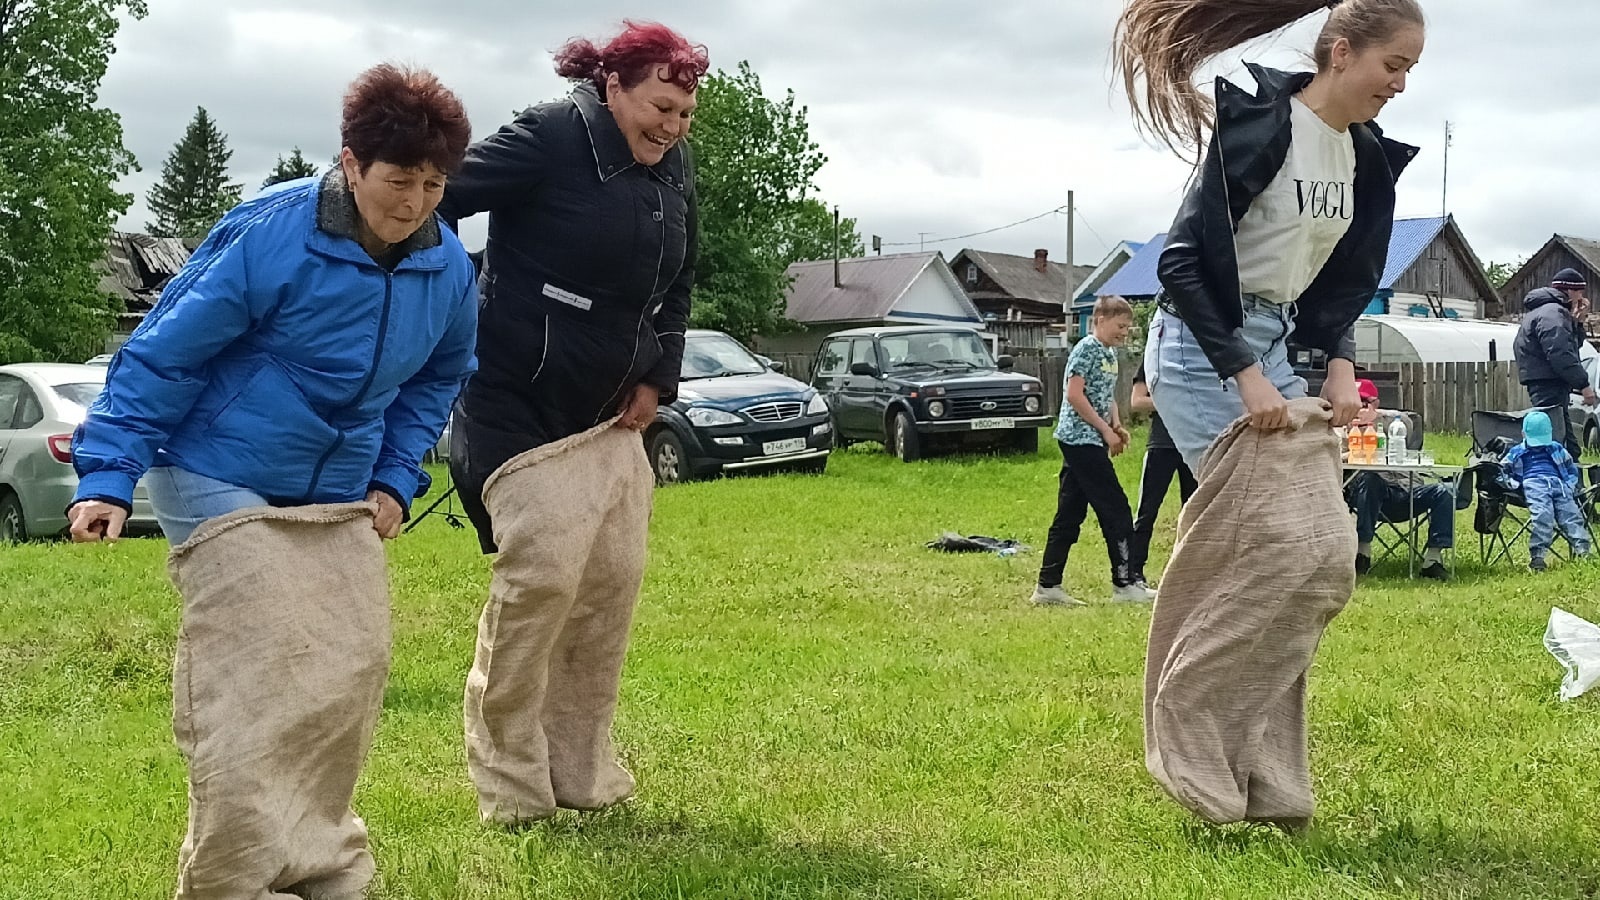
962	237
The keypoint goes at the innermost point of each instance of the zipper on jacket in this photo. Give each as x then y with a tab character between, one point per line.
372	373
661	254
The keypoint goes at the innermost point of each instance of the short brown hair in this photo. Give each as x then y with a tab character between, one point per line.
404	117
1111	308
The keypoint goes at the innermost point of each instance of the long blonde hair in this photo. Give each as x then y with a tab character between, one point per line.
1161	44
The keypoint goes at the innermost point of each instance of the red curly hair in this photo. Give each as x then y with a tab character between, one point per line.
404	117
634	55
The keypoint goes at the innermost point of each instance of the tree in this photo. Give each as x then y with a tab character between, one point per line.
296	166
194	190
60	158
1501	273
755	162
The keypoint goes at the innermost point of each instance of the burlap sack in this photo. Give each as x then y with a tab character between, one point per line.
281	662
571	520
1264	560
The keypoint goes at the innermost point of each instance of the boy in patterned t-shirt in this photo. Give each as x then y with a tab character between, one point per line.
1090	432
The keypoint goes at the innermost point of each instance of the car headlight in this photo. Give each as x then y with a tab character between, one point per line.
1032	405
817	406
705	417
936	409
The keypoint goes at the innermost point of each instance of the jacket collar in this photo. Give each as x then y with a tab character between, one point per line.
337	232
612	156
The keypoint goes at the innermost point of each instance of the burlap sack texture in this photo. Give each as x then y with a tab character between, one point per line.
1264	561
571	520
281	661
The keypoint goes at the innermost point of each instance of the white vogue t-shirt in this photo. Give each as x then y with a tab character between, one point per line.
1291	229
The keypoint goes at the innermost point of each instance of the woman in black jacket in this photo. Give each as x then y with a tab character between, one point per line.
585	299
1284	230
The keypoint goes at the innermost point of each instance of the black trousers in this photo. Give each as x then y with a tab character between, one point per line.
1088	480
1160	465
1555	396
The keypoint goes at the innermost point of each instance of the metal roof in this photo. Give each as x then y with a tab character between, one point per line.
872	285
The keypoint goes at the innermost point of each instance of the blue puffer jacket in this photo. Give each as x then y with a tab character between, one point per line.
285	360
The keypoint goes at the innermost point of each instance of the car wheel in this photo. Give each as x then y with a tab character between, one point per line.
1024	441
13	528
668	459
904	444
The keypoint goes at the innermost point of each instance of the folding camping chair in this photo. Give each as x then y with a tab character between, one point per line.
1503	521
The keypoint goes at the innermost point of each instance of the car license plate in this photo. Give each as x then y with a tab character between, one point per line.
982	424
793	445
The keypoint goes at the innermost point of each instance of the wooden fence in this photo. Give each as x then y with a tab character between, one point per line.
1447	393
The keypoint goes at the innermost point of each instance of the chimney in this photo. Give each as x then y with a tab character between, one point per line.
1041	261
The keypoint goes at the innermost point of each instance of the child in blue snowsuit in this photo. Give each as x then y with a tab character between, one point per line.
1549	478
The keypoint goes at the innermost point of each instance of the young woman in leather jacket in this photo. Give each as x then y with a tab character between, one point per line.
1285	227
1284	230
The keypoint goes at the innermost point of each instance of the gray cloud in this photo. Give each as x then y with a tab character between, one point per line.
938	116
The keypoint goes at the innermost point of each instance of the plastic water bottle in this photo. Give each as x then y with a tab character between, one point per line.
1397	440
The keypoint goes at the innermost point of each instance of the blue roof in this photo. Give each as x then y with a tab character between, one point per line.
1137	277
1409	241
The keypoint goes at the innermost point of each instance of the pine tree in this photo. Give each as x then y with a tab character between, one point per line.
296	166
194	190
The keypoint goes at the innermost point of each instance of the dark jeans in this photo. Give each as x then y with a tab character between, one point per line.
1375	499
1554	397
1088	480
1160	465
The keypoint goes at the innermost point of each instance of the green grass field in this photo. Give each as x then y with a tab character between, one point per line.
817	706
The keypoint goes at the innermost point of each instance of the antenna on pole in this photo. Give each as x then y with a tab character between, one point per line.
1444	200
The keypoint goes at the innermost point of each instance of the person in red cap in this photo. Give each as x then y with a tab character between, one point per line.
1384	497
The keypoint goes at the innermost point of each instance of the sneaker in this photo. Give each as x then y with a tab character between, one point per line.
1537	564
1137	592
1053	596
1436	571
1363	564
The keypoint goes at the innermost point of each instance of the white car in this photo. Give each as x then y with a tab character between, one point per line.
40	405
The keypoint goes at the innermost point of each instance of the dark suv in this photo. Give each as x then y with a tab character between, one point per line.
736	411
920	387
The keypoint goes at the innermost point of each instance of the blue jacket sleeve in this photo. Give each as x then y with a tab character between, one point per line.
413	422
158	374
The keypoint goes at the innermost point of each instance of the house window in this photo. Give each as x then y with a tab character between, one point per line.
972	273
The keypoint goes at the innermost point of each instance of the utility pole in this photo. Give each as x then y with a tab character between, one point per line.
1071	207
1444	201
922	237
836	280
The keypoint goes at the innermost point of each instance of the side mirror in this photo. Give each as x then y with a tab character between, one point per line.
775	365
865	370
1005	362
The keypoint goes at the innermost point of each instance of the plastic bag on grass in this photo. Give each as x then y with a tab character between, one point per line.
1576	644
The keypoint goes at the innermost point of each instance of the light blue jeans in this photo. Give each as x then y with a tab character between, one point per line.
1196	405
1551	502
182	500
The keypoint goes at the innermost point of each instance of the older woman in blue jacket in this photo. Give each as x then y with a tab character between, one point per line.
286	386
311	348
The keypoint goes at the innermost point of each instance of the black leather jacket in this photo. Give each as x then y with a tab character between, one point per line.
585	284
1199	269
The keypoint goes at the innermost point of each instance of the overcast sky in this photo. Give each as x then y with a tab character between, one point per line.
938	117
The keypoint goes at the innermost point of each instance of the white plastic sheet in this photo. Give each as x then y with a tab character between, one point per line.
1576	644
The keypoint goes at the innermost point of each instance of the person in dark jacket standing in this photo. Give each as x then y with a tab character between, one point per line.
306	356
1547	350
1162	463
1284	230
585	301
